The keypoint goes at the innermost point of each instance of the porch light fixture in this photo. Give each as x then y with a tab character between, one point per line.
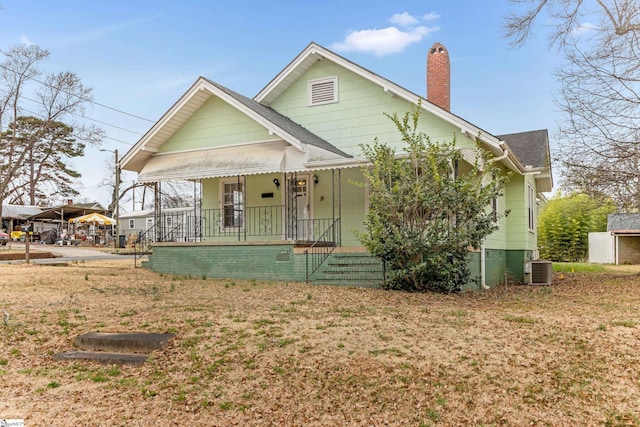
276	181
315	180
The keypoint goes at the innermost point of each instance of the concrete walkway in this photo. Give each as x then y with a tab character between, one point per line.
63	253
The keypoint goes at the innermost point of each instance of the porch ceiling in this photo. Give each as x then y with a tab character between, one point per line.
246	159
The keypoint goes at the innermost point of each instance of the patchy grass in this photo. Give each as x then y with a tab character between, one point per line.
258	353
578	267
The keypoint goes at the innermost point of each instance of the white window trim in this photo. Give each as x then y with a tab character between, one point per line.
531	201
132	224
233	180
312	83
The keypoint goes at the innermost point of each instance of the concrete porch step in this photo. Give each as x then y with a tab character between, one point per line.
106	357
122	342
115	348
367	283
350	269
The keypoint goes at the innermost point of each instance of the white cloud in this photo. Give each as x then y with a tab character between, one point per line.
25	40
390	40
431	16
587	27
403	20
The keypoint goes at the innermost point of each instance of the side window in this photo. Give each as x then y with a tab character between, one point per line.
531	205
132	224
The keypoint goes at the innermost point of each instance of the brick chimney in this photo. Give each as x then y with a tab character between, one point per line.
439	76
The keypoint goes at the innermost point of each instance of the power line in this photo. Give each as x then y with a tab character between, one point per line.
77	136
77	96
82	116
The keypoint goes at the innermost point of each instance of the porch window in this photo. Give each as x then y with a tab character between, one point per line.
132	224
168	221
233	205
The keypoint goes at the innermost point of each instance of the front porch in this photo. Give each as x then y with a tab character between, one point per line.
250	235
258	223
284	261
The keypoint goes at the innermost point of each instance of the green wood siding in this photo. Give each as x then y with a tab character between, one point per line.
519	235
215	124
498	239
358	116
353	205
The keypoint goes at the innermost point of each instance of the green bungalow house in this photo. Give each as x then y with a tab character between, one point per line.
278	173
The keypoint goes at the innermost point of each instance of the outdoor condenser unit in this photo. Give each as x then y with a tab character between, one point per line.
538	272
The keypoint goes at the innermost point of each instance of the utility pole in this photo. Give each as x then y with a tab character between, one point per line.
117	239
27	238
116	195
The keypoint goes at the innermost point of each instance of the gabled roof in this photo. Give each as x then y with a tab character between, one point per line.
532	147
517	154
314	53
281	121
622	223
194	98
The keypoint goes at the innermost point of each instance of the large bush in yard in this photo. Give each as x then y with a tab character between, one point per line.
423	216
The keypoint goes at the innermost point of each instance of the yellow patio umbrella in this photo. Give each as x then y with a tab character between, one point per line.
93	218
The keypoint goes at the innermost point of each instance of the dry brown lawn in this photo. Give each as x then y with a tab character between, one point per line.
291	354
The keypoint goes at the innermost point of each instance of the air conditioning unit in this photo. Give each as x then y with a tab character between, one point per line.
538	272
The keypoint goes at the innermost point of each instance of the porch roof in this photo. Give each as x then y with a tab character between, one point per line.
248	159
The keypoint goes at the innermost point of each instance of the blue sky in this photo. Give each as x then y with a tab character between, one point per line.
140	56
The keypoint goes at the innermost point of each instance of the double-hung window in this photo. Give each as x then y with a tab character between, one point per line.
132	224
531	202
233	204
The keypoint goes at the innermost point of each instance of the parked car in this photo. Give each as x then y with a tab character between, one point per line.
4	238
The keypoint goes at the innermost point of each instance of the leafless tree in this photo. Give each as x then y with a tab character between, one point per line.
598	134
616	17
57	97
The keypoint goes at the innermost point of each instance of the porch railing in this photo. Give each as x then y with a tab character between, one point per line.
321	248
142	244
322	234
258	221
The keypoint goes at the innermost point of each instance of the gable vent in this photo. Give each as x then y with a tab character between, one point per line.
323	91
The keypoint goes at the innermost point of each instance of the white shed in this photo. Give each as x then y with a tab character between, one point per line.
601	248
620	244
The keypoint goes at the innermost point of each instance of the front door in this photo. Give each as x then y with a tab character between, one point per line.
299	210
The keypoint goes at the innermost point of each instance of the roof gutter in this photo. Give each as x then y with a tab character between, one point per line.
504	155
